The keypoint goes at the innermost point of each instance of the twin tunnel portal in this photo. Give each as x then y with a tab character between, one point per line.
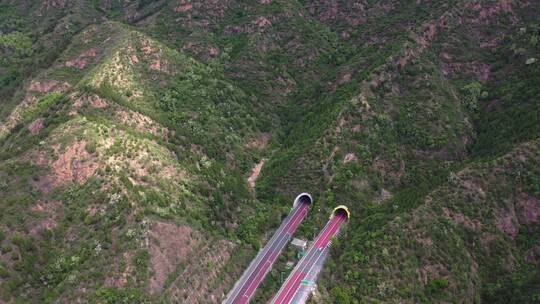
301	281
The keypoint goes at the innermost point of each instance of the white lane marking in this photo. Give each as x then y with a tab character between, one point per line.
298	266
246	295
321	254
278	235
249	271
307	263
283	238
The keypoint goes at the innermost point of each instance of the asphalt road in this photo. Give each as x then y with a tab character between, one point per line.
290	288
244	289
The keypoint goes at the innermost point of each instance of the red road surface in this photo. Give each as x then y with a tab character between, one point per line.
247	286
289	289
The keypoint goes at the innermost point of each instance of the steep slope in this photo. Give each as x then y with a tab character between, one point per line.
393	132
118	167
148	147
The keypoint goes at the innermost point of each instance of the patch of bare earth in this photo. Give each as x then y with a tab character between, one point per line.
73	165
533	255
529	210
36	126
169	245
183	6
92	100
507	222
82	60
120	278
479	70
141	122
153	56
255	171
48	86
259	142
349	157
198	261
489	10
34	90
200	281
430	272
460	219
47	210
56	3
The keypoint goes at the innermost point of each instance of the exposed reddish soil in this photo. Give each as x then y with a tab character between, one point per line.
156	65
259	142
152	57
56	3
141	122
256	25
255	171
427	35
93	100
199	282
349	157
46	224
74	164
445	56
480	70
119	280
82	60
343	79
430	272
353	12
134	58
388	168
201	49
48	86
473	187
77	104
212	8
460	219
356	128
486	11
529	210
330	11
147	49
486	239
262	21
169	245
213	51
184	7
36	126
507	222
533	255
491	43
47	208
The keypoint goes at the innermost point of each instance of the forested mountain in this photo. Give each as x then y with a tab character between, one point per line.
149	148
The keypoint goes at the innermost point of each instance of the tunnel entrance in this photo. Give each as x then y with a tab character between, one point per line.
304	198
342	210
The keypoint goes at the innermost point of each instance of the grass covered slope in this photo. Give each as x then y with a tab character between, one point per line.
147	148
477	231
390	135
113	183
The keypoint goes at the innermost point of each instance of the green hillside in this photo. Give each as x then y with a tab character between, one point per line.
149	148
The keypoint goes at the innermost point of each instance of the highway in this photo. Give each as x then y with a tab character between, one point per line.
296	288
246	286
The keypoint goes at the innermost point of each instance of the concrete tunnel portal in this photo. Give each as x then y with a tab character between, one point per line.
342	209
303	198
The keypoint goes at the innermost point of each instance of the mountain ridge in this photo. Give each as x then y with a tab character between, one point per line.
128	125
